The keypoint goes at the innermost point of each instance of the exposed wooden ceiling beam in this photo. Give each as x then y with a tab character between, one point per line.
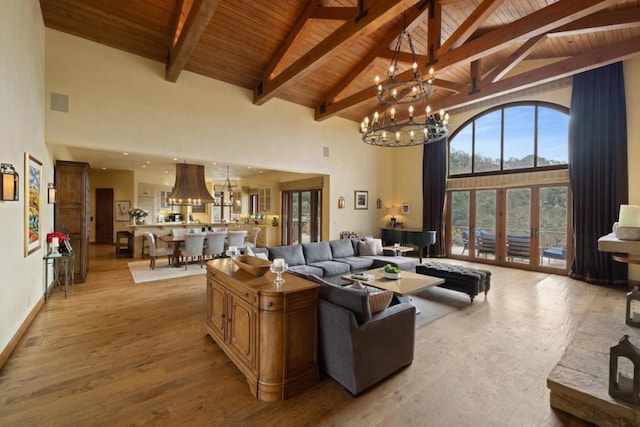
334	13
587	61
413	17
470	25
537	23
378	14
606	20
196	23
296	35
512	60
434	29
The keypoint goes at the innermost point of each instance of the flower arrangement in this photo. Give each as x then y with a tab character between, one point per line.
61	236
138	213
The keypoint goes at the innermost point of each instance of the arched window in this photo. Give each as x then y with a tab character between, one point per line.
513	137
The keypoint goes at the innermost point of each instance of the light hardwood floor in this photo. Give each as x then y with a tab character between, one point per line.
117	353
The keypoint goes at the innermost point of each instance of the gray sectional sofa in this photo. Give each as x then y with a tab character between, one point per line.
334	258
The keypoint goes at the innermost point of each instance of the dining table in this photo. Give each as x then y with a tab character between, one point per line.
174	242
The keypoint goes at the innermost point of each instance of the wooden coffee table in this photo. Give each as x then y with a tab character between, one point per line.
409	283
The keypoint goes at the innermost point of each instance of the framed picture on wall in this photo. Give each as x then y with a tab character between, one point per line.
33	183
122	210
361	199
406	209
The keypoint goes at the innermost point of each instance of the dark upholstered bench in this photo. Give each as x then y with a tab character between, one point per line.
471	281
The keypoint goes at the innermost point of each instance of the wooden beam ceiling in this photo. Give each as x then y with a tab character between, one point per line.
200	14
377	15
535	24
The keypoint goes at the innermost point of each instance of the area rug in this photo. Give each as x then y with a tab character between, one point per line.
435	303
141	272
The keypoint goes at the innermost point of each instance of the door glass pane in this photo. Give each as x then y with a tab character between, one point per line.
518	225
460	223
487	139
305	216
295	218
519	132
553	227
486	223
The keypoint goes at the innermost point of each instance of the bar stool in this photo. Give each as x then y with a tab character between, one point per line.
121	249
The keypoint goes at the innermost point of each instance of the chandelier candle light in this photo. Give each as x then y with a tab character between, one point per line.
401	102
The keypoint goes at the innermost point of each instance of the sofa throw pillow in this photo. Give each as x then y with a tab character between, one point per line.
366	248
378	245
341	248
354	300
378	299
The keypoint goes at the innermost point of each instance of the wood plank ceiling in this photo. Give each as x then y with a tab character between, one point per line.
324	54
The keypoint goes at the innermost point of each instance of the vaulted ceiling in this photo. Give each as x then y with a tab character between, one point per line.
325	54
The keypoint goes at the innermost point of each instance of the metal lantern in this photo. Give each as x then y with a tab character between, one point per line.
624	384
633	307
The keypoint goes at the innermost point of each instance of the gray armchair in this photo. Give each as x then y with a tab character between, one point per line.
359	349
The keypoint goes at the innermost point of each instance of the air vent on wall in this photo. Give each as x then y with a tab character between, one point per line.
59	102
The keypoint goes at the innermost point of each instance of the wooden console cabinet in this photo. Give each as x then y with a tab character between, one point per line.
270	334
72	211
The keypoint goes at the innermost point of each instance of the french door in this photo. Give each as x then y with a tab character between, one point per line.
302	216
526	227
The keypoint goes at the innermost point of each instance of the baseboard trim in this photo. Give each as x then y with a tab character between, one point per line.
6	352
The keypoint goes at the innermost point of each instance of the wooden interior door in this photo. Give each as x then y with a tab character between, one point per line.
104	216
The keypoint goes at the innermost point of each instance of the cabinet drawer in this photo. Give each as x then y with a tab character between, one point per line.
271	303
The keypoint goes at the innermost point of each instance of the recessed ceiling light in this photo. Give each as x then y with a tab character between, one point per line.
166	171
175	159
144	166
148	162
104	169
125	154
260	172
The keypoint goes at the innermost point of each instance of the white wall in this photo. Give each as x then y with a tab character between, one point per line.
22	124
632	98
118	101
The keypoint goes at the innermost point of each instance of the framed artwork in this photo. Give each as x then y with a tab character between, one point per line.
202	208
405	209
32	204
122	210
361	199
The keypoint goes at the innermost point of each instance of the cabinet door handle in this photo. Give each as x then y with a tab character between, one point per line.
270	304
246	294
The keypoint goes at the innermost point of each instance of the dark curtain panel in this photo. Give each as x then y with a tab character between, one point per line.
598	169
434	186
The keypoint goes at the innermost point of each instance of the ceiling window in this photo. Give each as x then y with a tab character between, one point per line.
512	137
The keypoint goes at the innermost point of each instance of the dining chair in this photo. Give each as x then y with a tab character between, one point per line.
236	238
251	240
154	251
193	247
215	243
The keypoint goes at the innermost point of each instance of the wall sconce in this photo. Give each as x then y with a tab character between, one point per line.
378	203
51	193
341	202
10	180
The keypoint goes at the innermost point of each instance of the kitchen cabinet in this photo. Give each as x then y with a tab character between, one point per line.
270	333
264	200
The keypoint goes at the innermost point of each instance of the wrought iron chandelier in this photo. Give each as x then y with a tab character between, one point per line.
227	189
402	101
